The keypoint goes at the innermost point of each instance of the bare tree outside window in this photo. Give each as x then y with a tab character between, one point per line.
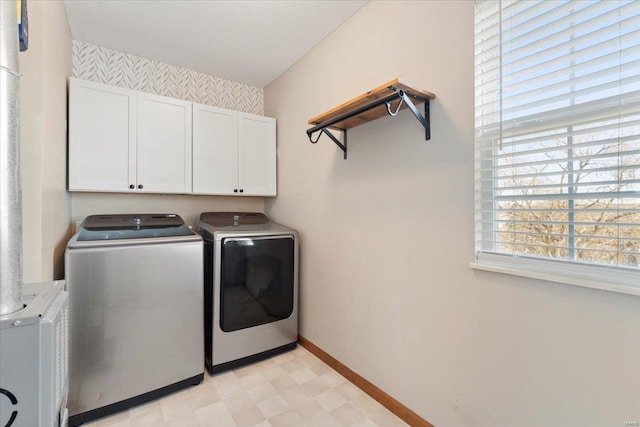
558	131
564	197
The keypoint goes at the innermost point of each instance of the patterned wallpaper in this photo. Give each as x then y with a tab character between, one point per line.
102	65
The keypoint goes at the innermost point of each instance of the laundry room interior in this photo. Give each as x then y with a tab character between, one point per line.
401	308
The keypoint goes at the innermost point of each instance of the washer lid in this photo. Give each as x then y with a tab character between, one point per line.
218	225
132	226
227	219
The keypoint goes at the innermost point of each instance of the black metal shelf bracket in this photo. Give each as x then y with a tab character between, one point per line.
341	145
425	120
400	94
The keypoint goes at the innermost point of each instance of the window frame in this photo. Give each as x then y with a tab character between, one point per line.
612	277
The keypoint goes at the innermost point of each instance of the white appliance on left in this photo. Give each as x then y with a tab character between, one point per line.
34	361
34	318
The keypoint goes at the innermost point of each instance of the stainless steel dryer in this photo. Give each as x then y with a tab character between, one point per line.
136	309
251	288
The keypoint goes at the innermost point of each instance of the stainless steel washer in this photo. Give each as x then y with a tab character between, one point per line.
251	288
136	310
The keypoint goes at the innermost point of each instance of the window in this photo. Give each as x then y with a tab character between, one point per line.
558	140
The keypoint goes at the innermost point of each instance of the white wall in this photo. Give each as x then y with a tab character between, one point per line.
45	67
387	235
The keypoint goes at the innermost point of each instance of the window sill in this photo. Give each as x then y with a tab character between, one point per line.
613	280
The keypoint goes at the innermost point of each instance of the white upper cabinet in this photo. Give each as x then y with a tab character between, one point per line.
127	141
233	153
215	150
256	155
102	134
163	145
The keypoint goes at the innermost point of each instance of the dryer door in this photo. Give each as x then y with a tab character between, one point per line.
257	281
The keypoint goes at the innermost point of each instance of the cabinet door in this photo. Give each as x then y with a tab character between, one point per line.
215	150
164	144
102	129
256	155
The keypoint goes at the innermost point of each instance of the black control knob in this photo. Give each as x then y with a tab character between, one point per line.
140	186
241	190
235	190
132	186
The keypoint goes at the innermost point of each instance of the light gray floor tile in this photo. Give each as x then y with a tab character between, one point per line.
309	410
238	402
273	406
294	389
248	417
214	414
287	419
262	392
347	415
177	410
330	400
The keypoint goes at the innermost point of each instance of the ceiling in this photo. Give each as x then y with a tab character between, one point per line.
249	41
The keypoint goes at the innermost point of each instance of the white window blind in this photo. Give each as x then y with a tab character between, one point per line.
558	137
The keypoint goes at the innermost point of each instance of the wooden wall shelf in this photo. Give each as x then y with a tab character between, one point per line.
370	106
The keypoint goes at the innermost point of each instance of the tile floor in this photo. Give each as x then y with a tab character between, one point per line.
294	389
